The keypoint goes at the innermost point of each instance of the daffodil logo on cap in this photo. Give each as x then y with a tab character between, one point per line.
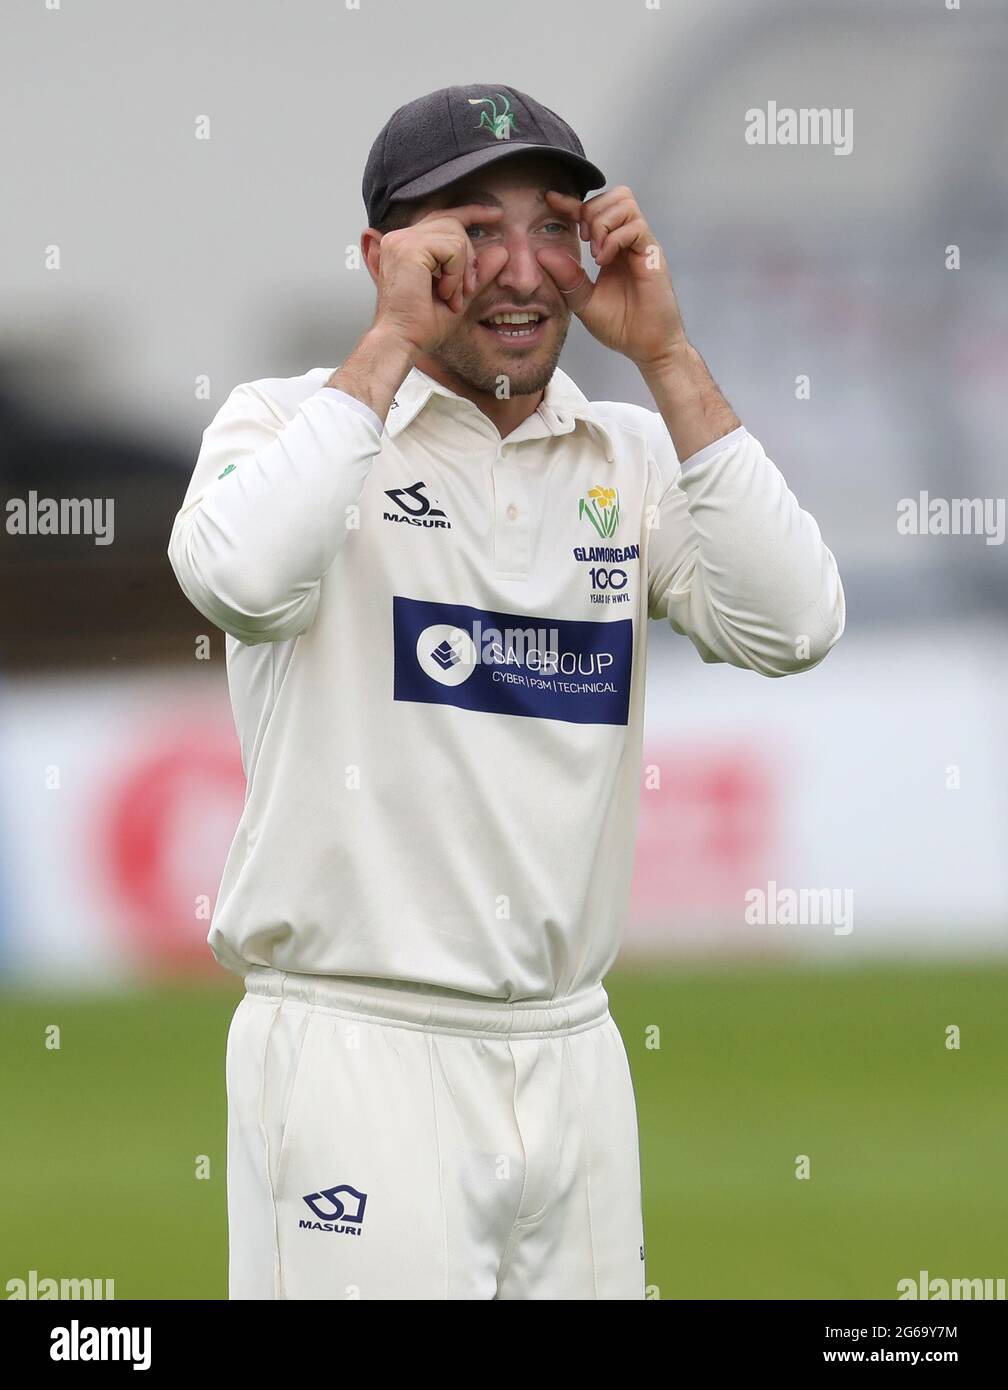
500	125
602	508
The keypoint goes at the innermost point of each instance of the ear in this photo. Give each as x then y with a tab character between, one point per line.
369	244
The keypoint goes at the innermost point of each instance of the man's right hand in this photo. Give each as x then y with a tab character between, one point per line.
427	275
426	278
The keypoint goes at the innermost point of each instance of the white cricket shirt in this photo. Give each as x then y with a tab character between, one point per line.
436	652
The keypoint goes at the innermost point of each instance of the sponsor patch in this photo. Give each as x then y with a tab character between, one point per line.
511	663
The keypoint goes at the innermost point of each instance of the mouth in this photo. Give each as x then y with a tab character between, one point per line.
524	329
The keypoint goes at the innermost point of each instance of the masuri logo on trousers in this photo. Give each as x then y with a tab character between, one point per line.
342	1217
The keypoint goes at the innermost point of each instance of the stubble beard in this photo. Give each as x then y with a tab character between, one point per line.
476	367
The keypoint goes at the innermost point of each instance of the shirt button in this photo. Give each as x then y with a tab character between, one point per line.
512	512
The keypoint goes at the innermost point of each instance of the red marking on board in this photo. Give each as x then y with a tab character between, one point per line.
706	833
171	819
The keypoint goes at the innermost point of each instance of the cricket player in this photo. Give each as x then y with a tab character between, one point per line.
435	565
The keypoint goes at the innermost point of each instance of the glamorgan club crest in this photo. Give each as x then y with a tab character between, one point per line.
602	508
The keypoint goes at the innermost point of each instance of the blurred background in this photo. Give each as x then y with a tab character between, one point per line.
183	188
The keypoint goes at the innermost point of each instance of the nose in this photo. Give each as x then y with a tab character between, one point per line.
521	272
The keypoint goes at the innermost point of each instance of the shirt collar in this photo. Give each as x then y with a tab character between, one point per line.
563	404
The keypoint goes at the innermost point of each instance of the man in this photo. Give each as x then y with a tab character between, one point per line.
435	567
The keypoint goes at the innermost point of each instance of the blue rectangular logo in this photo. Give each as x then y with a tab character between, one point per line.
510	663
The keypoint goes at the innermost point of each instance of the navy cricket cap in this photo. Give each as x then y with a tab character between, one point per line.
429	143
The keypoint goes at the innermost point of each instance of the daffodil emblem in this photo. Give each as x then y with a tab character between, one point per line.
601	507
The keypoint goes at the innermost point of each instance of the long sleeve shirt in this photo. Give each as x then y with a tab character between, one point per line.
436	644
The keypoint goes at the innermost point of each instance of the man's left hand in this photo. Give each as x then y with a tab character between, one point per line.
632	306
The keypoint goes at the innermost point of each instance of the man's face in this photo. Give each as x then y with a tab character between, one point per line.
510	278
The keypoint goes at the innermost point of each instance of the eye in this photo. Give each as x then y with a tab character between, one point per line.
560	226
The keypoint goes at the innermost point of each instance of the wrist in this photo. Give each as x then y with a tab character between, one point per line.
375	370
389	348
688	399
673	366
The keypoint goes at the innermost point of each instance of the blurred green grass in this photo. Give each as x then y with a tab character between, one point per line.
908	1141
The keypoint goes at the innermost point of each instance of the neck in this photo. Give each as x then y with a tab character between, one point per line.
506	414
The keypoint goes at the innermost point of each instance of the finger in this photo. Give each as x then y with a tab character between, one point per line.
469	277
565	202
453	275
470	274
598	201
633	236
598	215
568	275
603	204
606	219
571	207
466	213
489	262
472	271
450	253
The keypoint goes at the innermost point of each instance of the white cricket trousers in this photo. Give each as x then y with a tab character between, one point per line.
387	1141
